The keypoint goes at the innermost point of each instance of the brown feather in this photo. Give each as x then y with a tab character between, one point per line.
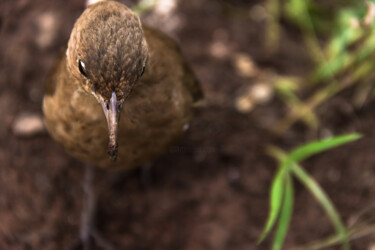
153	116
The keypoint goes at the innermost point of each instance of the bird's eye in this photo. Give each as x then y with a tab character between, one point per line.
82	68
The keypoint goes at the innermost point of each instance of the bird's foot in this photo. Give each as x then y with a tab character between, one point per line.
89	235
92	239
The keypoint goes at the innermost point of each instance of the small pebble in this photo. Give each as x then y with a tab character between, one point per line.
46	23
186	127
244	65
27	124
259	93
219	49
370	16
89	2
165	7
244	104
258	13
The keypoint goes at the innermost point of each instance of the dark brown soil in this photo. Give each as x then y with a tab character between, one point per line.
210	191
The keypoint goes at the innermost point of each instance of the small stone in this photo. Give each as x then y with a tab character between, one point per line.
370	16
186	126
89	2
326	133
244	65
261	93
244	104
219	49
27	124
258	13
46	23
165	7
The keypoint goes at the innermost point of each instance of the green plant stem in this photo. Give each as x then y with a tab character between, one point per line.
323	94
288	96
276	153
312	44
273	28
353	234
327	205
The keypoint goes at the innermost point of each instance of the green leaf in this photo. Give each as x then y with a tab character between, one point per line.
298	11
313	148
325	202
276	195
285	215
329	69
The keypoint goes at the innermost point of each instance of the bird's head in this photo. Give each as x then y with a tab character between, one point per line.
107	52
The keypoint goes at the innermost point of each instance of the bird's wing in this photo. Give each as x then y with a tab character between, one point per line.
192	83
52	81
189	79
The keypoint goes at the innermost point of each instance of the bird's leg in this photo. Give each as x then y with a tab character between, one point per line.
88	231
89	207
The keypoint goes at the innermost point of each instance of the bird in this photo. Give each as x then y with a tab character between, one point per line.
119	94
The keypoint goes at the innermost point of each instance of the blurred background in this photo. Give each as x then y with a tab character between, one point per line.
277	73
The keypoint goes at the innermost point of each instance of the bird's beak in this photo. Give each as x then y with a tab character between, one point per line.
112	114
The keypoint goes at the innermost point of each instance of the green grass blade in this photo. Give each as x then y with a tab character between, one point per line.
312	148
144	6
276	195
325	202
285	215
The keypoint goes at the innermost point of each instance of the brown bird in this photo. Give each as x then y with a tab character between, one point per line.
115	66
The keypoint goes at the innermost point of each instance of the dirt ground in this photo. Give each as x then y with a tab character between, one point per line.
210	191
